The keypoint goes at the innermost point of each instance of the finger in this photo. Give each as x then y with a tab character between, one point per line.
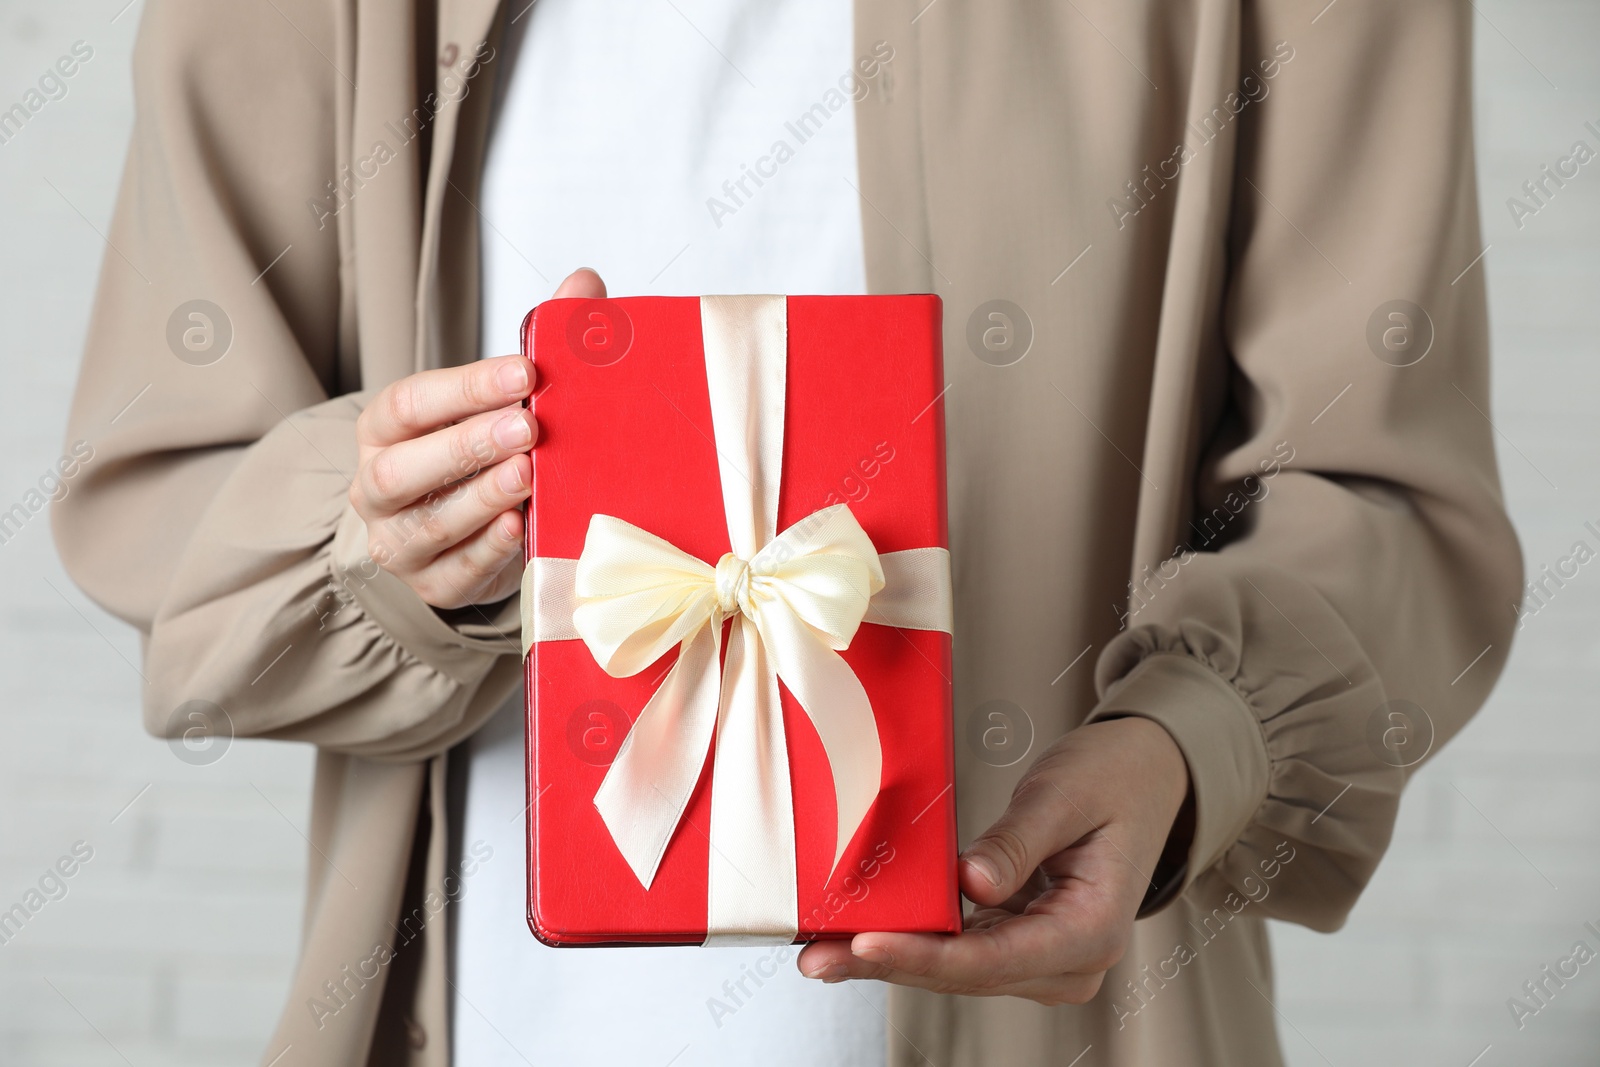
584	282
826	959
832	962
983	918
1039	822
1055	990
1016	950
1036	884
1077	927
422	403
404	473
412	538
480	570
1052	991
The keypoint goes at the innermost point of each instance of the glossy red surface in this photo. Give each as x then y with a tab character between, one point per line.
632	438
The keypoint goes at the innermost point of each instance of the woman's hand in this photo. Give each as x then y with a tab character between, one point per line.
1057	880
443	472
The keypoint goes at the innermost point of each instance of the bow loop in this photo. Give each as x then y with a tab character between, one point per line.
639	596
825	569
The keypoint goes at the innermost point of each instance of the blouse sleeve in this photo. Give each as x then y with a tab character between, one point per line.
217	399
1351	559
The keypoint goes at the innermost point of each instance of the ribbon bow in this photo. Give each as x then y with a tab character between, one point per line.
795	604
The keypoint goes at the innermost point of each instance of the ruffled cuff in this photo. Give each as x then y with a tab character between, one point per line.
455	651
1269	696
274	612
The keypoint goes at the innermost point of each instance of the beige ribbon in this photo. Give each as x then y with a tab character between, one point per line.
796	600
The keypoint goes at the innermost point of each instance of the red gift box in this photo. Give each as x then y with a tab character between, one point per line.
626	430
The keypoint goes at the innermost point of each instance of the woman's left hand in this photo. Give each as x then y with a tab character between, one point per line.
1057	880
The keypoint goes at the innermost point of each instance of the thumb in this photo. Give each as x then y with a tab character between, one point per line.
585	282
1039	822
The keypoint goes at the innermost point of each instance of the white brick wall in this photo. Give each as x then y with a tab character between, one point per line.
173	943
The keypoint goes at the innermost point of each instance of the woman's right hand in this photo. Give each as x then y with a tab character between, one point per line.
443	472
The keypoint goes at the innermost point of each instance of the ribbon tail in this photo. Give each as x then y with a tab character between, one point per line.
832	696
645	792
751	897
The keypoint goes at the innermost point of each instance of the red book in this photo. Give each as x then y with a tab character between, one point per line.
626	430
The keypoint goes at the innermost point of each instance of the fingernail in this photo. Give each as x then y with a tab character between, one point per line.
985	867
513	431
874	954
513	378
511	478
832	972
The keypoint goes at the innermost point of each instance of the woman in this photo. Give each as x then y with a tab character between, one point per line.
1217	361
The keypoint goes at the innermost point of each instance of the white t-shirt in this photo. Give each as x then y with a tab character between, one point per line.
625	139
